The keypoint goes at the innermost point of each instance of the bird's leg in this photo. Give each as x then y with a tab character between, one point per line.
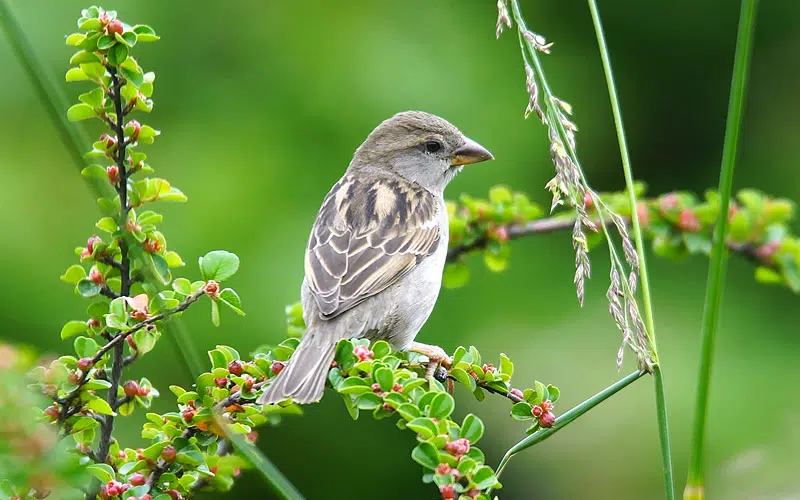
435	354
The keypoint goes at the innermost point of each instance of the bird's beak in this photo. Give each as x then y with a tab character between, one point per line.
470	152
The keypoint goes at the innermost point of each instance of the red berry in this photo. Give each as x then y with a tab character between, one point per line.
188	415
547	405
277	367
92	323
113	174
458	447
131	388
442	469
547	420
85	364
363	352
51	412
175	494
501	233
688	221
168	453
212	288
91	242
767	251
95	276
667	203
448	491
151	246
221	381
113	488
235	367
115	27
136	129
248	382
643	214
516	392
131	342
397	388
537	411
137	479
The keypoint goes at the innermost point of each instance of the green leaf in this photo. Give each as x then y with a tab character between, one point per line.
472	428
145	341
83	57
553	392
425	427
75	39
385	378
93	98
496	259
190	455
426	455
484	478
230	298
85	347
218	265
128	38
90	25
132	73
95	71
442	406
160	267
73	328
408	411
107	224
75	75
73	274
117	54
463	377
173	259
145	33
88	288
506	366
522	411
368	401
353	385
768	276
100	406
103	472
214	313
455	275
182	286
381	349
541	393
79	112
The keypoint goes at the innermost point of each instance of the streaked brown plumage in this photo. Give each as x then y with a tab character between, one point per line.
375	255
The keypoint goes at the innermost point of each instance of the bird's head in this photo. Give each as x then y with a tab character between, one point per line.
419	147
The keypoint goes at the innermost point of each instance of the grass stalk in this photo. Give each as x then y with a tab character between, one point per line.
695	484
661	402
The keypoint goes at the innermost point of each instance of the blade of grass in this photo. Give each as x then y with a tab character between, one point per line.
280	485
695	484
658	379
567	418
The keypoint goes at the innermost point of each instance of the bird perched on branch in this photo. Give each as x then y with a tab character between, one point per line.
374	260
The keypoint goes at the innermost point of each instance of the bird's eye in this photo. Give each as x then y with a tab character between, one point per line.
433	146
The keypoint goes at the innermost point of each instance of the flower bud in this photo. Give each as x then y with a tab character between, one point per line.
688	221
85	364
363	352
113	174
547	420
212	289
95	276
516	392
131	388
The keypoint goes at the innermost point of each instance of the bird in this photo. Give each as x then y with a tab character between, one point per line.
377	249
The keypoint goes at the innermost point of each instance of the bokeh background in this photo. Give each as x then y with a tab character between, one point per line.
261	105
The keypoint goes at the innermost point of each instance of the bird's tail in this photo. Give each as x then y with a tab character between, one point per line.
303	378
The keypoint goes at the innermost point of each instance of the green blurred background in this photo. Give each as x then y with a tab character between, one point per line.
261	104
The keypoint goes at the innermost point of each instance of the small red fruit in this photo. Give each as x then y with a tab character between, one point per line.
212	289
91	242
376	388
248	382
458	447
688	221
443	469
235	367
588	201
85	364
51	412
363	352
397	388
93	323
221	381
537	411
188	415
113	174
277	367
643	214
516	392
169	453
115	27
113	488
547	420
137	479
151	246
448	491
136	129
131	388
668	203
95	276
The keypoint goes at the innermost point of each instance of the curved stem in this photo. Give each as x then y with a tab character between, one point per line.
719	253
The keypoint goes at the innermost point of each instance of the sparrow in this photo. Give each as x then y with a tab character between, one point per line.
377	249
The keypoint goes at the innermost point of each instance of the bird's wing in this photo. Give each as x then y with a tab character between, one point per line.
367	235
